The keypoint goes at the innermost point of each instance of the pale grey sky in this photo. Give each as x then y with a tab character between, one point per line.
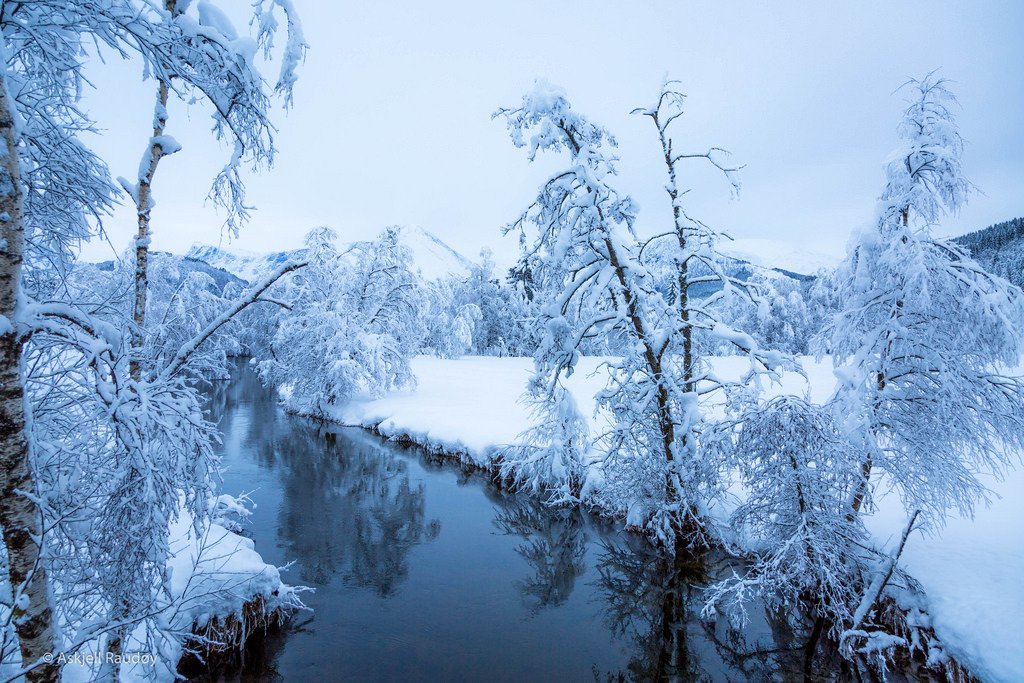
391	122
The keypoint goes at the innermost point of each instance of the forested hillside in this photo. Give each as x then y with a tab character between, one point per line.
1000	248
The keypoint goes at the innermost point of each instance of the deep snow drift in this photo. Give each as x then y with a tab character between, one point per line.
971	570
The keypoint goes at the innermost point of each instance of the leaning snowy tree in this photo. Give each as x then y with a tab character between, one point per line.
223	74
925	345
926	341
52	191
587	263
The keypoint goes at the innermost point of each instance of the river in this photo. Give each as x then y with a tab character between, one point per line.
422	571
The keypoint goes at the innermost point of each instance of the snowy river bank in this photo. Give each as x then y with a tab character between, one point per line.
970	570
422	570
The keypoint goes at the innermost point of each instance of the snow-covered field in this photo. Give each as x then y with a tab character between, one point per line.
971	571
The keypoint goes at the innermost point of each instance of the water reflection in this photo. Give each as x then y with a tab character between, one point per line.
553	546
650	601
511	590
657	601
350	511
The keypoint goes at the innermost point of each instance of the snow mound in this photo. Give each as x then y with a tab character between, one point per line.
213	574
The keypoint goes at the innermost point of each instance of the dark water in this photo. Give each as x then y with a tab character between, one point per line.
423	572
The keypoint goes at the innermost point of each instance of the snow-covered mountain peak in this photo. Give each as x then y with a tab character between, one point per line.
777	255
432	257
243	264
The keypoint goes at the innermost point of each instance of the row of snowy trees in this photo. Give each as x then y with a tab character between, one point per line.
103	440
925	343
480	314
1000	248
349	323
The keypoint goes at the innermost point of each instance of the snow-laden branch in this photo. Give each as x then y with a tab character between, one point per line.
244	301
874	590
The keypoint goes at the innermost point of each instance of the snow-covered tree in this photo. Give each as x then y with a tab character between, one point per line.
181	304
549	457
925	344
222	72
53	192
781	319
348	324
504	327
450	317
926	339
587	268
799	471
477	314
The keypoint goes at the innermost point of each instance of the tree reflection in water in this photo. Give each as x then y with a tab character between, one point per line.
553	545
649	600
349	508
350	511
348	505
656	601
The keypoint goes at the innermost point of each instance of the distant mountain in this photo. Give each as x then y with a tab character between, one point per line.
245	265
183	265
778	256
999	248
431	256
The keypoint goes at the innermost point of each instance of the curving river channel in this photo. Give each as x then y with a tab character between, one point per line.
424	572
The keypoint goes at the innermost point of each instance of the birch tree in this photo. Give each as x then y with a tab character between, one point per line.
20	517
236	91
54	189
588	265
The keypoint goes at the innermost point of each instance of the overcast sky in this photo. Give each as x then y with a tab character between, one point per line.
391	123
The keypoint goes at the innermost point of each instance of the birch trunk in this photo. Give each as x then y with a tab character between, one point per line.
110	669
143	207
20	517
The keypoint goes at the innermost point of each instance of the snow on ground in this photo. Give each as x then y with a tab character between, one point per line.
971	570
972	573
472	405
212	574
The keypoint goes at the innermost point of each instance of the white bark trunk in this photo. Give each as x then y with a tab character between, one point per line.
143	207
19	515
